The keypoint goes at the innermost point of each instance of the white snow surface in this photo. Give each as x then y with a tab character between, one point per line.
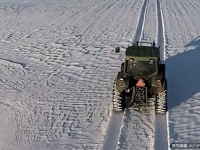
57	67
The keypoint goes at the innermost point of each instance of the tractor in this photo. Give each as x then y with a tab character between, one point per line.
141	81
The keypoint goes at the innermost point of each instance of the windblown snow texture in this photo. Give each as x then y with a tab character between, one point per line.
57	67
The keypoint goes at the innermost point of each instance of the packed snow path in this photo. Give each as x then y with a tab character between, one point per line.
58	64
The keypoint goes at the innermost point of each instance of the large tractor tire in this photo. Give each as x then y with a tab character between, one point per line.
118	99
161	100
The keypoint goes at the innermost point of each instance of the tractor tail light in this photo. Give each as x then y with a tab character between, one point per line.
158	83
121	80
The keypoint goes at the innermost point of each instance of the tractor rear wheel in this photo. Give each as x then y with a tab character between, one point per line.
118	99
161	100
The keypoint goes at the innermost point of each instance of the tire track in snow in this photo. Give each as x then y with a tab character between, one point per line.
161	123
140	23
124	124
137	130
112	134
149	29
160	31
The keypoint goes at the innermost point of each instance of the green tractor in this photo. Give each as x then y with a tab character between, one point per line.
141	81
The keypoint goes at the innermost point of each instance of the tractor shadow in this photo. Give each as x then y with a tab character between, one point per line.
183	75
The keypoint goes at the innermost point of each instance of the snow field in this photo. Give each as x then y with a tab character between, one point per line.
182	45
66	54
58	65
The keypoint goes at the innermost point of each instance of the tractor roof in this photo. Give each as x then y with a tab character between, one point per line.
142	51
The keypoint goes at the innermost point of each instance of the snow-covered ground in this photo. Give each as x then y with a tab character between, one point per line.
182	60
57	67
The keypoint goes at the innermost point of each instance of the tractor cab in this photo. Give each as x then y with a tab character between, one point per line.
141	61
140	68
